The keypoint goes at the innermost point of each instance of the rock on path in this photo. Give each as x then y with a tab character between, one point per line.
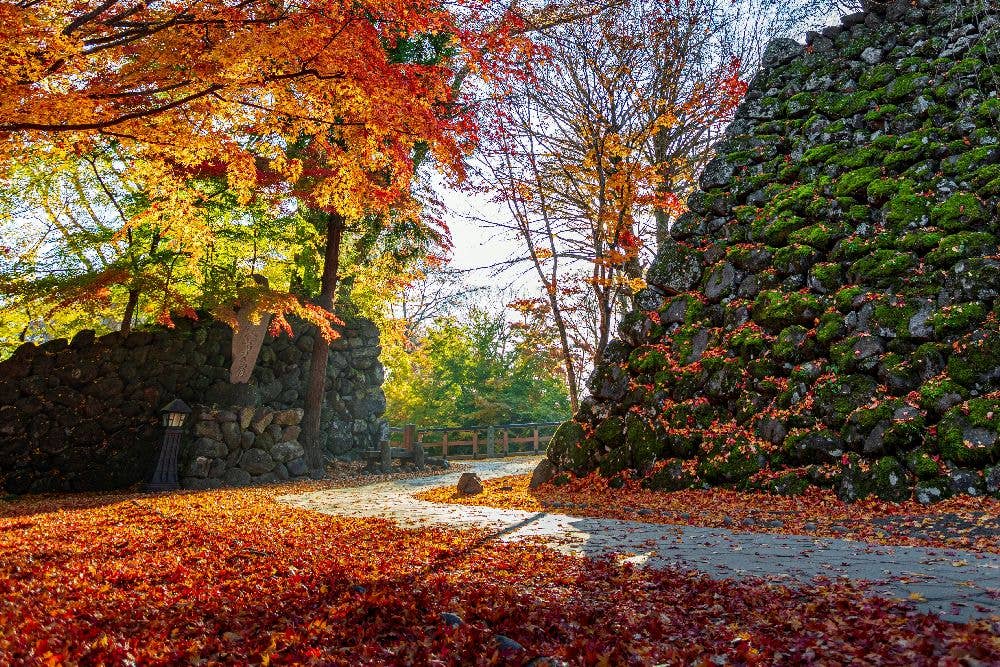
930	577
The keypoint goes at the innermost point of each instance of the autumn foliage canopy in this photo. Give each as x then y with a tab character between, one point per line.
324	102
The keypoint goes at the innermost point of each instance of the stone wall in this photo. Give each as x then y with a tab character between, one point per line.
82	414
828	310
242	446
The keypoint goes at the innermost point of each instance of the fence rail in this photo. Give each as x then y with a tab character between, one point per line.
477	442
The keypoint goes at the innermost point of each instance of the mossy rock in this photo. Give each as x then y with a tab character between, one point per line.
788	484
955	247
854	482
892	319
615	461
775	231
826	276
670	477
922	466
889	480
777	309
748	341
958	317
642	442
958	212
903	86
676	268
836	291
856	181
931	491
733	460
969	434
941	394
794	258
794	343
976	359
906	209
841	395
919	241
562	479
881	266
609	431
566	447
852	248
819	236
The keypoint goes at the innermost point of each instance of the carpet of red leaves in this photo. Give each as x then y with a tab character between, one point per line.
232	576
962	522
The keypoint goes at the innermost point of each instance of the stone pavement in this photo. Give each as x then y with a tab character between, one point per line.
959	585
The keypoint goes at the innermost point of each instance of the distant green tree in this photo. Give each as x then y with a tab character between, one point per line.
479	370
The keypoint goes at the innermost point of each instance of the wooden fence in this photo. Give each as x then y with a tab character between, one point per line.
476	442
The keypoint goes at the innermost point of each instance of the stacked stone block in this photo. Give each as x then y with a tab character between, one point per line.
828	310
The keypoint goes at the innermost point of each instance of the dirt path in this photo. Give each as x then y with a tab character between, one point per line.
959	585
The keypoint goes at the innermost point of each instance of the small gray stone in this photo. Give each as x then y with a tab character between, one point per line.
451	620
246	439
780	51
256	461
209	448
286	451
507	645
871	55
237	477
297	467
198	467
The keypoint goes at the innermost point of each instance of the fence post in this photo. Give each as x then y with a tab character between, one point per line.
475	444
386	452
506	442
535	442
491	442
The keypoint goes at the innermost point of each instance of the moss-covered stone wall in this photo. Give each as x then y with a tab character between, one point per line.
828	310
82	415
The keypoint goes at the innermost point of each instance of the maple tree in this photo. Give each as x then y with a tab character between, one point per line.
332	105
593	155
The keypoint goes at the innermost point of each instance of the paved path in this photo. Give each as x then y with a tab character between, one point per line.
956	584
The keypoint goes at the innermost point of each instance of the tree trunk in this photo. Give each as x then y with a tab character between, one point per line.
316	386
130	306
660	155
574	390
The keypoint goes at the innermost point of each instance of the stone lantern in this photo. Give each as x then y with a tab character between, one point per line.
174	415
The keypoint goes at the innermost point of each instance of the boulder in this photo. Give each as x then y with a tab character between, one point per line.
286	451
256	461
469	484
543	473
